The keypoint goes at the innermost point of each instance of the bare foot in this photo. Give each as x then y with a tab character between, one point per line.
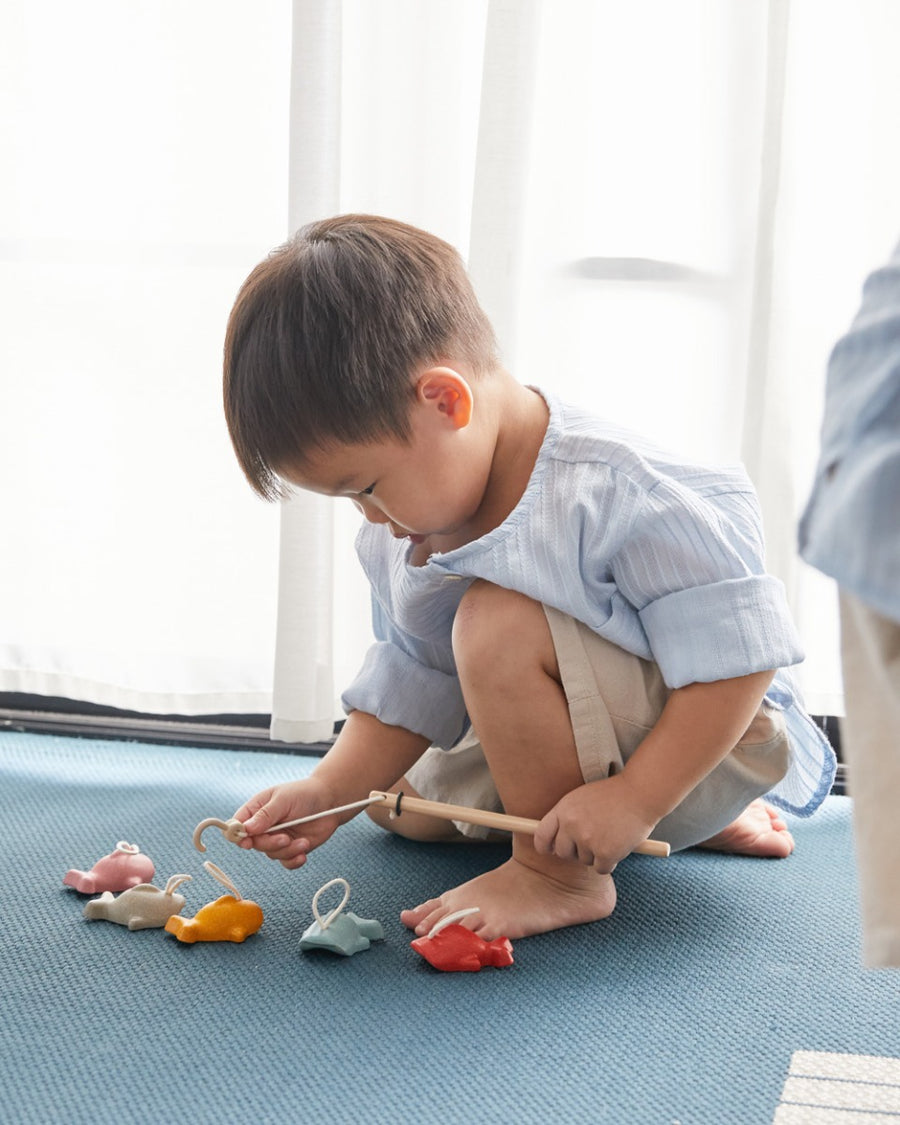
516	900
759	830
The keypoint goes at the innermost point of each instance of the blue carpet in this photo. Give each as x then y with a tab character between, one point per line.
684	1007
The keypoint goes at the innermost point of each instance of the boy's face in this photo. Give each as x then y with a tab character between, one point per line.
431	486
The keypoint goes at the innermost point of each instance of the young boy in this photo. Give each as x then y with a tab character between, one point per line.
571	624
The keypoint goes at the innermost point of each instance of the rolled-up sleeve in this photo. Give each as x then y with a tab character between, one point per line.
721	631
695	573
400	691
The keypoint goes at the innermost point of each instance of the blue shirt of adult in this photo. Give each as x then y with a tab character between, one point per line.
851	527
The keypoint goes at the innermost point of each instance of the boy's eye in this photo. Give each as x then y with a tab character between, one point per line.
367	491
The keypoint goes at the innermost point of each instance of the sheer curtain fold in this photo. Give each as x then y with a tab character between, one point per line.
501	165
765	444
303	688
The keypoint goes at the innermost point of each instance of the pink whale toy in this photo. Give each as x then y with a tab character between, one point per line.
122	869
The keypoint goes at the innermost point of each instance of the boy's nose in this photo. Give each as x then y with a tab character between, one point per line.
371	511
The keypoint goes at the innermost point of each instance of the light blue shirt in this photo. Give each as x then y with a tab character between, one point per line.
851	527
662	558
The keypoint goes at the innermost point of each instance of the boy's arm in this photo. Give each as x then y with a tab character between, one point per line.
601	822
366	755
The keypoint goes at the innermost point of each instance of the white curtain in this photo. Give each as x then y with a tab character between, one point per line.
138	190
668	209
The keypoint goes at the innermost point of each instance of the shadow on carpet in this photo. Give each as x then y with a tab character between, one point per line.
684	1007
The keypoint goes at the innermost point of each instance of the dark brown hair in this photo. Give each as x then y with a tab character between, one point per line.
327	332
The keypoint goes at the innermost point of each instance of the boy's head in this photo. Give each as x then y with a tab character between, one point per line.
327	334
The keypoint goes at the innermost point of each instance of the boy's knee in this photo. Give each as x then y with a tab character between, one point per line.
493	625
485	611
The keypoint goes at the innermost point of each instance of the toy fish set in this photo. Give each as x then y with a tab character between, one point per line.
449	946
140	905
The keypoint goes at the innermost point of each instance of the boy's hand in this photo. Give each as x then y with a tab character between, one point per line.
288	802
597	824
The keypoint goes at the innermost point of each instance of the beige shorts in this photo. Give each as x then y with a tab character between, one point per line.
614	701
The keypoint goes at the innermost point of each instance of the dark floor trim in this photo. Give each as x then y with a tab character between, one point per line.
225	731
72	718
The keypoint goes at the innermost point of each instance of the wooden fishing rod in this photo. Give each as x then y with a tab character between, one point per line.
400	803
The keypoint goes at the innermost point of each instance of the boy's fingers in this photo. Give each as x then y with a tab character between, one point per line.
545	837
293	864
272	845
249	809
260	821
280	847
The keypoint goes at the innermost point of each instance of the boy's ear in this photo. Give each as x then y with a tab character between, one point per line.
443	388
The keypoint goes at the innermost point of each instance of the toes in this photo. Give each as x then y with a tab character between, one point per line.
430	920
775	818
776	843
787	843
413	918
424	918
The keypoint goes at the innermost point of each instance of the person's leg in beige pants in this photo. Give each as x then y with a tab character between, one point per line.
870	649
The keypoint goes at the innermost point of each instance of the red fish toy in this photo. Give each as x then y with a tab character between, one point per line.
454	949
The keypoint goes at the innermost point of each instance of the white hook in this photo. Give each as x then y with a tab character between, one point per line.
232	830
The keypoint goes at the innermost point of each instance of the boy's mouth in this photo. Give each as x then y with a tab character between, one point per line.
401	533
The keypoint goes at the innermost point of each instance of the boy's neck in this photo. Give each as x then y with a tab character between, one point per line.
514	420
522	425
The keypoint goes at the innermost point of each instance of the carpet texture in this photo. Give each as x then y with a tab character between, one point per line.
686	1006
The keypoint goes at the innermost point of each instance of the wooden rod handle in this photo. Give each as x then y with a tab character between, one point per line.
488	819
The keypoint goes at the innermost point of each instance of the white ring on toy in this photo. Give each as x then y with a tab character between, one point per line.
175	882
329	918
438	926
218	873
